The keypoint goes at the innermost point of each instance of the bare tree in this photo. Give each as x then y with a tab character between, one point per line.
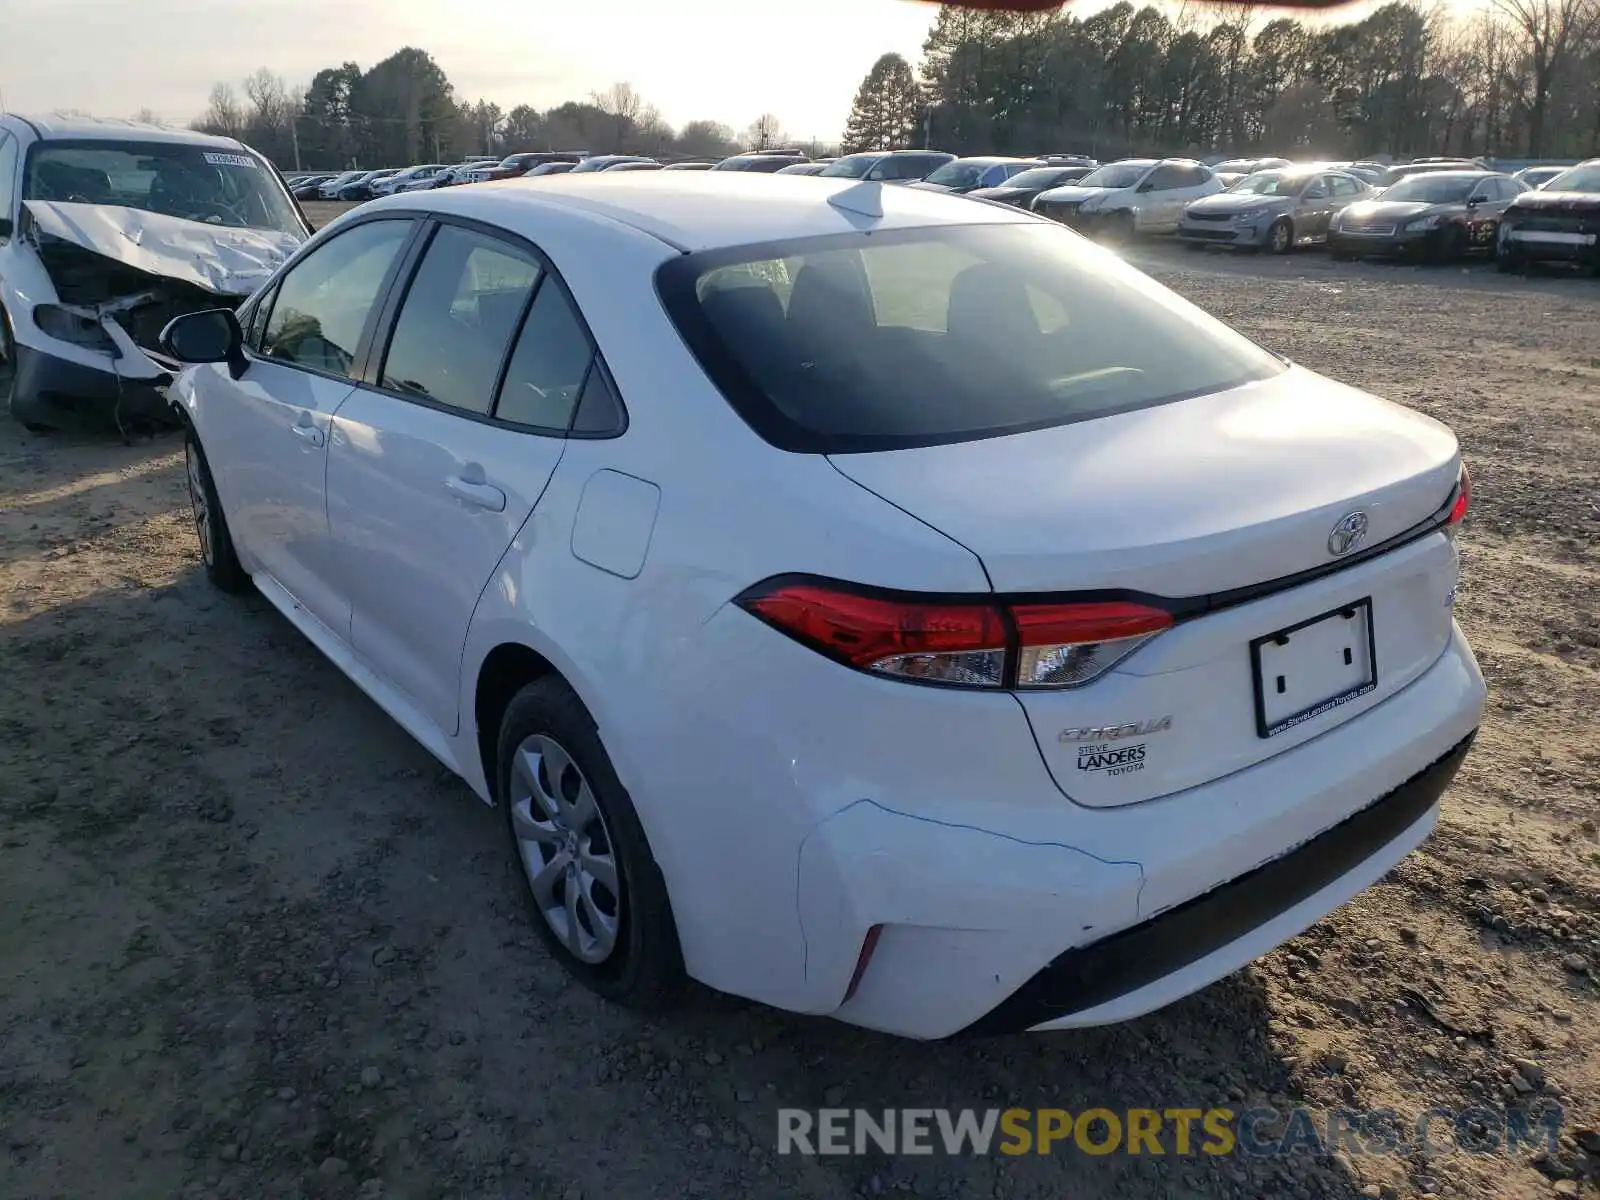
146	116
1552	31
625	106
765	132
269	99
223	114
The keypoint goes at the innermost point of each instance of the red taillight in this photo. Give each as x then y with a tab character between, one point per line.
1458	510
868	945
865	630
959	642
1071	624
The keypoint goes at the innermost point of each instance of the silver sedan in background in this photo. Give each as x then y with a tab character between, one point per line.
1274	210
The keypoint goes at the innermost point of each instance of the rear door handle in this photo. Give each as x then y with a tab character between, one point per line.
309	433
484	495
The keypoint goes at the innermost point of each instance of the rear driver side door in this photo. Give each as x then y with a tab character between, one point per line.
439	458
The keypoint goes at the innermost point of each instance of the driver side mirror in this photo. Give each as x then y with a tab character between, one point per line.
210	336
1146	186
1476	199
7	227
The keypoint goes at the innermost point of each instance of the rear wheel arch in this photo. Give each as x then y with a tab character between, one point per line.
505	671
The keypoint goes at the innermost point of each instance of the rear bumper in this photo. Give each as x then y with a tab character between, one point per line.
1078	917
1075	985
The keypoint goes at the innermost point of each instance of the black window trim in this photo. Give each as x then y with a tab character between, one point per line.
675	282
270	290
399	286
9	140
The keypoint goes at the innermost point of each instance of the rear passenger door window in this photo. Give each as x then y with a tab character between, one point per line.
325	300
8	177
549	367
458	319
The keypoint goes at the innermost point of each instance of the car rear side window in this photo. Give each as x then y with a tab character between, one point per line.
458	319
879	341
549	365
324	301
8	175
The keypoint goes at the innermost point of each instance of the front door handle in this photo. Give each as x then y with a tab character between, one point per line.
484	495
309	434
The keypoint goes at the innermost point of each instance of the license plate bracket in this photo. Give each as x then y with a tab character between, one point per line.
1313	667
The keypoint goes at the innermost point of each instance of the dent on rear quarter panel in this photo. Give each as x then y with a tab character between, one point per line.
616	516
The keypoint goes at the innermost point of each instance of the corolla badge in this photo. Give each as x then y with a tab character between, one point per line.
1348	533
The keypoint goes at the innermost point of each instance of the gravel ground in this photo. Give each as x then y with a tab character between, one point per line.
257	943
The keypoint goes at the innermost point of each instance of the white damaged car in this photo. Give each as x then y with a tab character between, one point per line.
108	230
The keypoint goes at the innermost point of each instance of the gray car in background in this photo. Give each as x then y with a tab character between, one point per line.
1274	210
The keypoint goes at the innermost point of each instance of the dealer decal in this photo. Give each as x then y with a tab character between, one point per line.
1106	759
231	160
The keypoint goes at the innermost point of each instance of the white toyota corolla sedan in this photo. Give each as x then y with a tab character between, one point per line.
858	599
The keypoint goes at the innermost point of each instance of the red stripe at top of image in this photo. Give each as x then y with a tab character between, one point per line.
1028	6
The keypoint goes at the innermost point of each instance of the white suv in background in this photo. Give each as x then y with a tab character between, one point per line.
108	230
1136	195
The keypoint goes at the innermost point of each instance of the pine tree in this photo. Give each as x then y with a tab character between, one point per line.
886	109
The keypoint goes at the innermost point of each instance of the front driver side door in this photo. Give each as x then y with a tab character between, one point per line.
266	433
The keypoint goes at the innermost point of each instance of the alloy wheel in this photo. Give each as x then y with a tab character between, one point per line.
198	503
1280	238
566	849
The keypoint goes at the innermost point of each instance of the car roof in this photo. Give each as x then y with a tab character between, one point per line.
997	158
109	129
692	211
1464	173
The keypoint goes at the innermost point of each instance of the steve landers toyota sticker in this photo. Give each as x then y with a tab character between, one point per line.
1106	759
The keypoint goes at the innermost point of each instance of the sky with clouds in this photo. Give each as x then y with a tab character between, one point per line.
715	59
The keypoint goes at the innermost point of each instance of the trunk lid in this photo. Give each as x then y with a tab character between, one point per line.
1190	500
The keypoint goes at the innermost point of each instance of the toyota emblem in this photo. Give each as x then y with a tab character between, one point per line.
1348	533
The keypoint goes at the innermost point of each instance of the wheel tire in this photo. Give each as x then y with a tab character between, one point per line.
643	967
1280	238
210	523
1451	246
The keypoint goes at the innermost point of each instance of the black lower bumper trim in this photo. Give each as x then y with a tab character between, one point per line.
58	393
1124	962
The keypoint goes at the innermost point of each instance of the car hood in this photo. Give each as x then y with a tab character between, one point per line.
1073	194
1007	195
1223	490
1235	202
1391	210
1587	203
216	258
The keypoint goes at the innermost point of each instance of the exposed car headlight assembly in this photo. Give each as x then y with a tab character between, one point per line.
67	326
1422	224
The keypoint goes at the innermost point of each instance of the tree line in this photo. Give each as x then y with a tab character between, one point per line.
405	110
1518	78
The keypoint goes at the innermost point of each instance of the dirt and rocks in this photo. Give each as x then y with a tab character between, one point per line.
256	943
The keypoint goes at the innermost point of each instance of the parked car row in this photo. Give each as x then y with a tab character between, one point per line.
932	169
1435	209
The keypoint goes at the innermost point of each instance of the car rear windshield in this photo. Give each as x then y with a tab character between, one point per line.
1580	179
1434	189
851	166
1115	175
879	341
1270	183
197	183
959	174
1044	177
